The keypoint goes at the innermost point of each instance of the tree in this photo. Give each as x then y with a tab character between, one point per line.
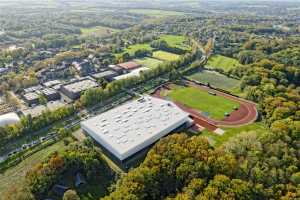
42	99
71	195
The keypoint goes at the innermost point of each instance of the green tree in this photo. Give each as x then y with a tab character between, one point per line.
71	195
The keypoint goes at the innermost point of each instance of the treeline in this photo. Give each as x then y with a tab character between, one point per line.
183	168
164	46
98	95
274	86
78	158
29	124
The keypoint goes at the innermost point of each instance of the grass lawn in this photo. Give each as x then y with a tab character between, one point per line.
213	106
97	31
177	41
149	62
15	175
217	80
163	55
217	140
223	62
133	48
156	13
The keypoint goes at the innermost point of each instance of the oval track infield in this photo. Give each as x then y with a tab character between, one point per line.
246	114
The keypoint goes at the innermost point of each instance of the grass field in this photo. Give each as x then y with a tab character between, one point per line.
97	31
217	80
149	62
163	55
177	41
156	13
222	62
217	140
213	106
15	175
133	48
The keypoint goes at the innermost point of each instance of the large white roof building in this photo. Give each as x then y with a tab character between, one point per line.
9	119
131	127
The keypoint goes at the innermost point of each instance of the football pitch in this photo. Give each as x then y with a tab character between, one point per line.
212	106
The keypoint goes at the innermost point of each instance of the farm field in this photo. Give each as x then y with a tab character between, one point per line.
217	80
149	62
217	140
163	55
15	175
177	41
156	13
97	31
222	62
212	106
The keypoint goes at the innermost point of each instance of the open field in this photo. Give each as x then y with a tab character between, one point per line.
177	41
222	62
156	13
15	175
217	140
212	106
133	48
149	62
217	80
163	55
97	31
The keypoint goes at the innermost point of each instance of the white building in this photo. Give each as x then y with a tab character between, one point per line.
129	128
133	73
9	119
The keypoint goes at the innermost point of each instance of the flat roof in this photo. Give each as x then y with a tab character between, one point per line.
129	65
131	127
104	74
80	85
52	83
33	88
133	73
49	91
31	96
9	118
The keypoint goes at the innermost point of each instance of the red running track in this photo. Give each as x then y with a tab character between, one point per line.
246	114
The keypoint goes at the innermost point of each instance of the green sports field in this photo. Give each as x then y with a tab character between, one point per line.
133	48
222	62
177	41
149	62
163	55
217	80
213	106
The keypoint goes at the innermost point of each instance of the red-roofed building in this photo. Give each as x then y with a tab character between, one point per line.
129	65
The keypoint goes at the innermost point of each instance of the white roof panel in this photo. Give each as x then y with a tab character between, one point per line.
133	126
8	119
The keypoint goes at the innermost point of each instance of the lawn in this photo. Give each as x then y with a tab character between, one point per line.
213	106
149	62
222	62
156	13
217	140
177	41
97	31
15	175
133	48
217	80
163	55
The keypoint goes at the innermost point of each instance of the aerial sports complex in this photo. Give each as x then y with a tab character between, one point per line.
130	128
